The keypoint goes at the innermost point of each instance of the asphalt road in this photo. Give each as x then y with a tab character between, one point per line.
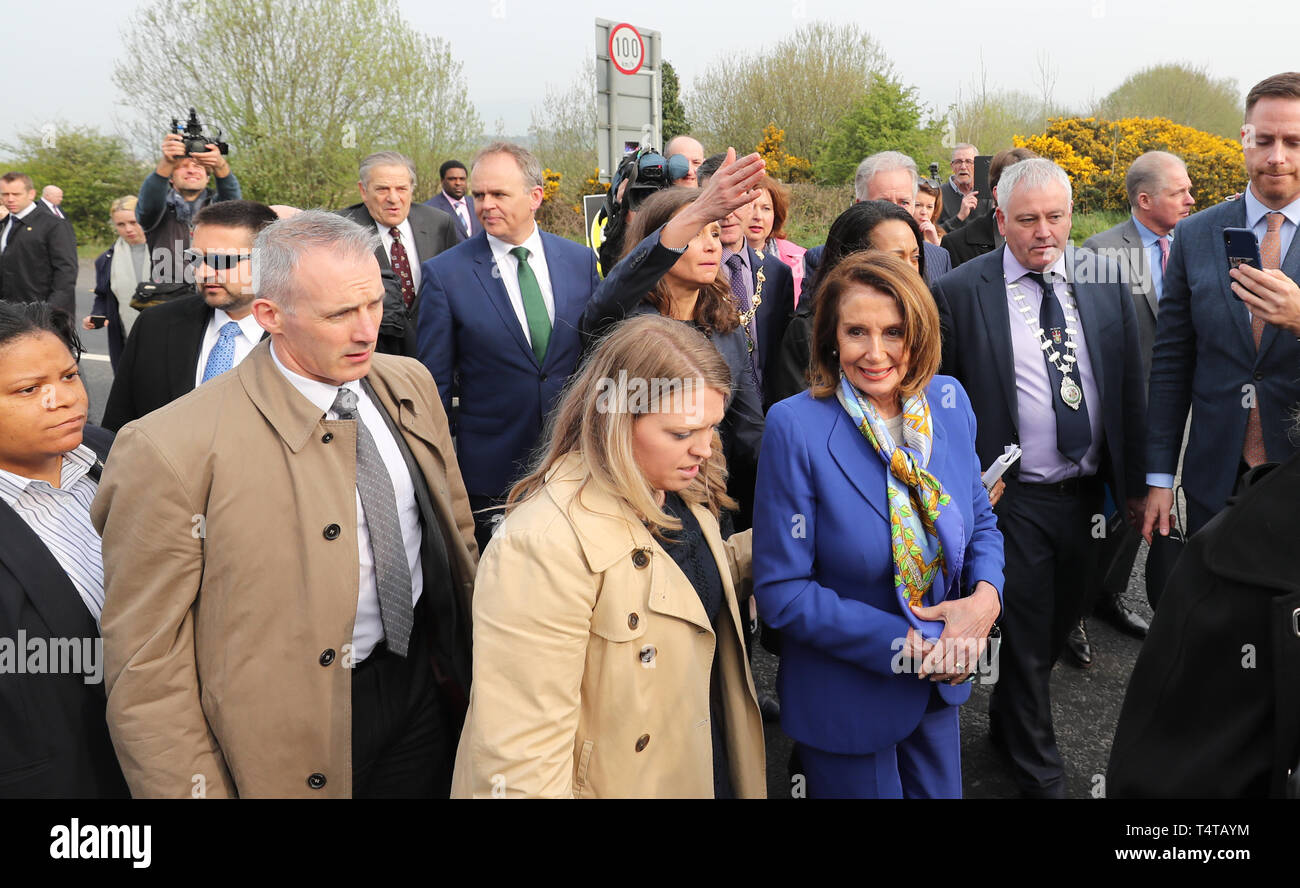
1085	703
1085	710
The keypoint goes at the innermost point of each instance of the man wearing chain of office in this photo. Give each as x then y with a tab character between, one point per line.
1044	338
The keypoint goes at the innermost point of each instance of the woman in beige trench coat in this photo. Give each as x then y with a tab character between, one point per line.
608	659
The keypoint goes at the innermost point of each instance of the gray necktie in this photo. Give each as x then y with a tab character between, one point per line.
392	572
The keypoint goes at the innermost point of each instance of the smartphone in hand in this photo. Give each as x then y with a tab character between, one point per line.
1242	247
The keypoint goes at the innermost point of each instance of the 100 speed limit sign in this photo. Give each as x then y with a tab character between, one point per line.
626	48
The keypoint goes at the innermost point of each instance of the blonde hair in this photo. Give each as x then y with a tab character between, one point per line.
648	348
127	202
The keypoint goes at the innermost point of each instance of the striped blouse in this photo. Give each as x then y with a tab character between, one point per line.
60	516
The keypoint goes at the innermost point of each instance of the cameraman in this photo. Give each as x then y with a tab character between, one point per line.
172	196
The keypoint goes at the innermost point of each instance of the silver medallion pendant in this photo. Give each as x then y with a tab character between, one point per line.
1071	394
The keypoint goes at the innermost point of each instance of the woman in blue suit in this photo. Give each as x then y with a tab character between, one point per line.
876	552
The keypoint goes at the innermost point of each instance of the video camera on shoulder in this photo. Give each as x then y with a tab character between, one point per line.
192	135
645	171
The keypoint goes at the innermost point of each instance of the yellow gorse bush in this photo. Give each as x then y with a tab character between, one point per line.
1097	153
781	165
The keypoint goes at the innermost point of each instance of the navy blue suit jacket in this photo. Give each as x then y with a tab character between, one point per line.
977	350
1205	359
823	567
777	306
439	202
471	340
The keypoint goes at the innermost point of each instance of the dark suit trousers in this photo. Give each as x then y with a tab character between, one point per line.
1050	563
402	744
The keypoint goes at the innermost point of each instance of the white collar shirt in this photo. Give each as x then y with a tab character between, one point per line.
509	268
368	629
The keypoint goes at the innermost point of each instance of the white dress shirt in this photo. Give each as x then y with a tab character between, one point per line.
60	516
509	268
368	630
408	241
11	221
250	336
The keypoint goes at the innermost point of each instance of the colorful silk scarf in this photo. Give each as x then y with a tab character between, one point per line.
915	496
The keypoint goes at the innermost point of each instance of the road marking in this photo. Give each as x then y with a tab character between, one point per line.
87	356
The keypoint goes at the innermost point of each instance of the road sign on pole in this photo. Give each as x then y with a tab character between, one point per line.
626	49
629	113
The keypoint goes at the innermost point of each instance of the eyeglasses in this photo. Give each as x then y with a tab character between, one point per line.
962	162
216	261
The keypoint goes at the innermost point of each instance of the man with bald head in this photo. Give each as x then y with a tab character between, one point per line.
693	151
52	197
301	517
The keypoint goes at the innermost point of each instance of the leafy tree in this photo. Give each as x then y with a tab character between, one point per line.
674	112
808	80
303	88
888	117
563	130
1182	93
93	170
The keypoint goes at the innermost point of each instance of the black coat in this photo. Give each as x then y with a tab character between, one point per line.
1213	706
434	232
54	742
977	349
39	263
975	238
159	360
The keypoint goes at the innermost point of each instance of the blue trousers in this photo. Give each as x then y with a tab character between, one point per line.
924	765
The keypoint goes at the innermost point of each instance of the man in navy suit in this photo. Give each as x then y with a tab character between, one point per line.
765	305
1045	341
1226	340
454	200
498	326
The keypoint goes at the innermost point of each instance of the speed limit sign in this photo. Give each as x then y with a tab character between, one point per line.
626	48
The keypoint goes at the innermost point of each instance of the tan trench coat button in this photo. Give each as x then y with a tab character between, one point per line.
632	621
647	653
327	657
332	531
316	781
327	437
642	742
640	558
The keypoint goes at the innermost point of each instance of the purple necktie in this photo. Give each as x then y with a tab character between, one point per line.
1163	241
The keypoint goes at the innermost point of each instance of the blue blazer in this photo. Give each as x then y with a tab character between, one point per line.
823	568
471	340
1205	358
439	202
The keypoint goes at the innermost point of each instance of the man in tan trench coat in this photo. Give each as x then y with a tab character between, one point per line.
277	622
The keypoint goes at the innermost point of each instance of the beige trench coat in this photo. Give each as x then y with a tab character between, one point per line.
592	657
225	585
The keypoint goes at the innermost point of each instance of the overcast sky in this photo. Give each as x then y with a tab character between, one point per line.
511	49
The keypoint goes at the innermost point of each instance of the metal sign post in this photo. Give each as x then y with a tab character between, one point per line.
629	111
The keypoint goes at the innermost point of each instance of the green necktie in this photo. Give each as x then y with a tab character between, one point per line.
539	323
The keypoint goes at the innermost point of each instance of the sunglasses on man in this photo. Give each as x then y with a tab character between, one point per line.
216	261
